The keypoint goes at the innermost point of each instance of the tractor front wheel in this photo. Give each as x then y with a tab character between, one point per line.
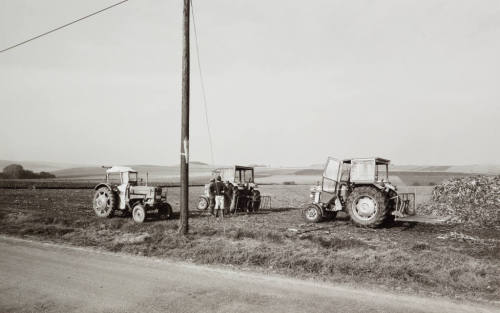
367	207
203	203
313	214
139	213
104	202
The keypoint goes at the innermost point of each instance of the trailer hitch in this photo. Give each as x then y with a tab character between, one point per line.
404	204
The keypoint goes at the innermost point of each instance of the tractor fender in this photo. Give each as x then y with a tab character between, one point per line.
104	185
370	185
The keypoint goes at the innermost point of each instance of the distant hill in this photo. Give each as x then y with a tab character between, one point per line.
412	175
309	171
470	169
409	178
317	166
489	169
198	163
155	172
486	169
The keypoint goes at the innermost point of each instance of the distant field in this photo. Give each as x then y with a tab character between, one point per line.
87	177
75	184
399	178
426	178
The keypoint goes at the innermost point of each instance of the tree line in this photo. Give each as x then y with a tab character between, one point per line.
16	171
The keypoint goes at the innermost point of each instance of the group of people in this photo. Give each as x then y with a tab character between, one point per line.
220	196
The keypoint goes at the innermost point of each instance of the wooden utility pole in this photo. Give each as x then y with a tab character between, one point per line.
184	223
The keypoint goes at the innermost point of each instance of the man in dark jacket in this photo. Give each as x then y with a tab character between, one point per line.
211	195
220	190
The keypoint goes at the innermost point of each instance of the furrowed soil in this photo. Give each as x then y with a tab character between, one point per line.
450	260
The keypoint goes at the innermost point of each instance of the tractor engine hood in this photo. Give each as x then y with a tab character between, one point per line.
147	191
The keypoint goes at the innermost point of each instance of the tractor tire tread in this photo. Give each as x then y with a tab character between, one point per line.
382	202
112	201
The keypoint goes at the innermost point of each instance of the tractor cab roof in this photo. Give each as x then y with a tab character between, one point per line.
236	168
237	173
377	160
240	167
120	169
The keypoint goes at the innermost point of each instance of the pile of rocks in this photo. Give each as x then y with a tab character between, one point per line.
473	200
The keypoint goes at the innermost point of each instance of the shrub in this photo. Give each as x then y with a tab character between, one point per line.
16	171
13	171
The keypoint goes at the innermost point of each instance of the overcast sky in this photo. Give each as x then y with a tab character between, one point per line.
288	82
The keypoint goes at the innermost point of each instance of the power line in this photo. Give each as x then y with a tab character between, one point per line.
202	85
63	26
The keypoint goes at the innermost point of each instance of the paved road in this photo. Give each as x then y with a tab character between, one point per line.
40	277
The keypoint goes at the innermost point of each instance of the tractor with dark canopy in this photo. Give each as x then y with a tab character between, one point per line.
245	196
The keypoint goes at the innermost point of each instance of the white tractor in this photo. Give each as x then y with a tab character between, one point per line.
360	187
121	192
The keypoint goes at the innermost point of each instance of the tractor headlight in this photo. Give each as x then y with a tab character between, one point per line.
315	196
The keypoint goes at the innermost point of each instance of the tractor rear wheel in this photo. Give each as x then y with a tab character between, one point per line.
104	202
368	207
165	211
139	213
313	214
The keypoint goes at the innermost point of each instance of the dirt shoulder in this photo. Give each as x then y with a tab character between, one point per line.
53	278
453	261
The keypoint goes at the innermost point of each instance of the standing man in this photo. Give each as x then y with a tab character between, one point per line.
229	197
220	190
211	196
